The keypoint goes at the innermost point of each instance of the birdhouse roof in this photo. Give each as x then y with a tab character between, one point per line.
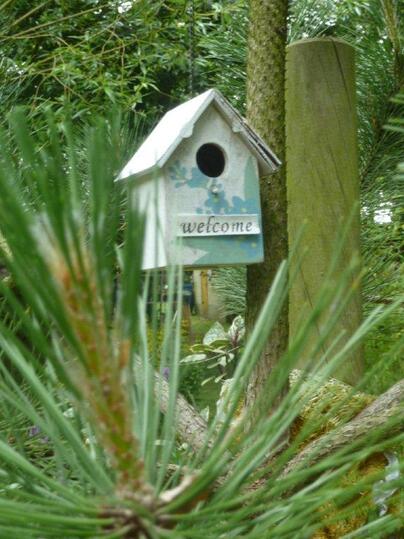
178	124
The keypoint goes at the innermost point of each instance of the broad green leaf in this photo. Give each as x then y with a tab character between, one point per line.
194	358
216	332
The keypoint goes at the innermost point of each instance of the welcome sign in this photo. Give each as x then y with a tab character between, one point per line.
217	225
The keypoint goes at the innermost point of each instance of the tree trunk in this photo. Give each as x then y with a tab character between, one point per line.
266	114
191	426
381	417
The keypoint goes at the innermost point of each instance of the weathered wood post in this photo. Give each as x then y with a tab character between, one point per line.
322	178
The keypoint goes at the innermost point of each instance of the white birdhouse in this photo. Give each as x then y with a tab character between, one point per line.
197	178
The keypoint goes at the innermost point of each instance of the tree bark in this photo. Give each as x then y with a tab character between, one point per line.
191	426
266	114
375	417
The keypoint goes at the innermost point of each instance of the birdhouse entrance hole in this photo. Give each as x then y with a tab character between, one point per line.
210	160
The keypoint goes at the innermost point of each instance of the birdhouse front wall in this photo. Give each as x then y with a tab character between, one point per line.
213	219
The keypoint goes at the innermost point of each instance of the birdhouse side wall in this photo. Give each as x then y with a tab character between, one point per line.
192	193
150	199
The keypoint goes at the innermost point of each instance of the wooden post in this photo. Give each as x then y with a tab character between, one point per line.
322	179
204	293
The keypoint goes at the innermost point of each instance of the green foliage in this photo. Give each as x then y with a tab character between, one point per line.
192	377
112	467
93	55
230	285
218	349
390	263
379	350
88	54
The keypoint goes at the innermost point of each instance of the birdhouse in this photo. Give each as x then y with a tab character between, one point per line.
197	178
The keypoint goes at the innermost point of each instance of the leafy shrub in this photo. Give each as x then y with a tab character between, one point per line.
219	348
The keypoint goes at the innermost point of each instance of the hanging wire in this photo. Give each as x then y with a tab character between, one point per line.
191	51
